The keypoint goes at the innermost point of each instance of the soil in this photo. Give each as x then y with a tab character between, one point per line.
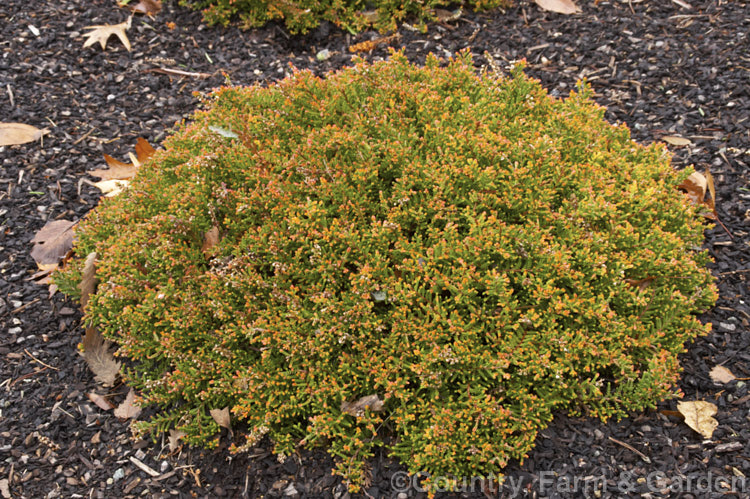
665	68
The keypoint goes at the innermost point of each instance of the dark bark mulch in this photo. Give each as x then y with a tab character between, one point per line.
658	67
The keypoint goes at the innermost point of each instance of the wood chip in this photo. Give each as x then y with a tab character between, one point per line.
144	467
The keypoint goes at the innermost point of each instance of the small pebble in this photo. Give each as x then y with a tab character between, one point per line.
164	466
728	327
119	474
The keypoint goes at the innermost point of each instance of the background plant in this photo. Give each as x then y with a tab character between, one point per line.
466	251
302	15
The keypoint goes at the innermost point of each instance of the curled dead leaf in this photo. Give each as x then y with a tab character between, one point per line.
210	239
357	408
147	7
13	134
88	279
698	416
98	356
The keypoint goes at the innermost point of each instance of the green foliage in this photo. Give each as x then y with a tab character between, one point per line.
302	15
472	251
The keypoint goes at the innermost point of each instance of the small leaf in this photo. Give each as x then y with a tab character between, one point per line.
13	134
371	402
676	141
559	6
88	279
148	7
100	401
698	416
695	186
210	239
117	169
143	150
52	243
101	34
174	438
128	408
99	358
222	418
112	188
721	374
223	132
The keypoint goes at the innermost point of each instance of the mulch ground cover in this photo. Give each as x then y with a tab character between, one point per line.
660	67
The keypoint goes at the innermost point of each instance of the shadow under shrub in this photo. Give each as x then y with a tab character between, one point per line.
466	248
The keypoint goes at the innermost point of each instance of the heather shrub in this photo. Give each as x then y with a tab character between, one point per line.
463	248
302	15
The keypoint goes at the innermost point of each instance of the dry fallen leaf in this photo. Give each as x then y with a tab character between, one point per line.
101	34
52	243
695	186
111	188
116	177
88	279
222	418
117	169
559	6
100	401
13	134
357	408
698	416
370	45
721	374
174	439
676	141
148	7
210	239
99	358
128	409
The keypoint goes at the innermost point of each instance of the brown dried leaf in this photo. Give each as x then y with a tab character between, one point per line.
222	418
13	134
52	243
559	6
148	7
357	408
128	408
143	150
117	169
174	439
721	374
210	239
88	279
676	141
698	416
642	284
100	401
99	358
695	186
370	45
101	34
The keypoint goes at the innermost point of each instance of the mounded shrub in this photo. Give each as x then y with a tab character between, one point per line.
463	248
302	15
